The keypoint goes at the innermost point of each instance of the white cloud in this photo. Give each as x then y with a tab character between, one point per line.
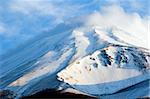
44	8
108	16
2	29
7	31
115	16
30	7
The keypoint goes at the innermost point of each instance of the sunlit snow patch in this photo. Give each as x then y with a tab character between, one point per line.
108	70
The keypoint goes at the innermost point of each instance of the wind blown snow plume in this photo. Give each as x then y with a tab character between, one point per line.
115	16
88	46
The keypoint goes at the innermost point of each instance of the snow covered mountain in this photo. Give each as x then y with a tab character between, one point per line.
87	52
108	70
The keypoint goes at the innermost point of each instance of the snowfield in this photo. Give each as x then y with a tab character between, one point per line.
92	60
108	70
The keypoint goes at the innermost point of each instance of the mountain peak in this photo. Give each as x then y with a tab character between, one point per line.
114	64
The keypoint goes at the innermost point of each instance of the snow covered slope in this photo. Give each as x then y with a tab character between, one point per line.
34	66
140	90
108	70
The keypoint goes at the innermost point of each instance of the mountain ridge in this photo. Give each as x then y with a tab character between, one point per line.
36	66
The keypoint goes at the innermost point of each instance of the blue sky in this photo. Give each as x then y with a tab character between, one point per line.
21	20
